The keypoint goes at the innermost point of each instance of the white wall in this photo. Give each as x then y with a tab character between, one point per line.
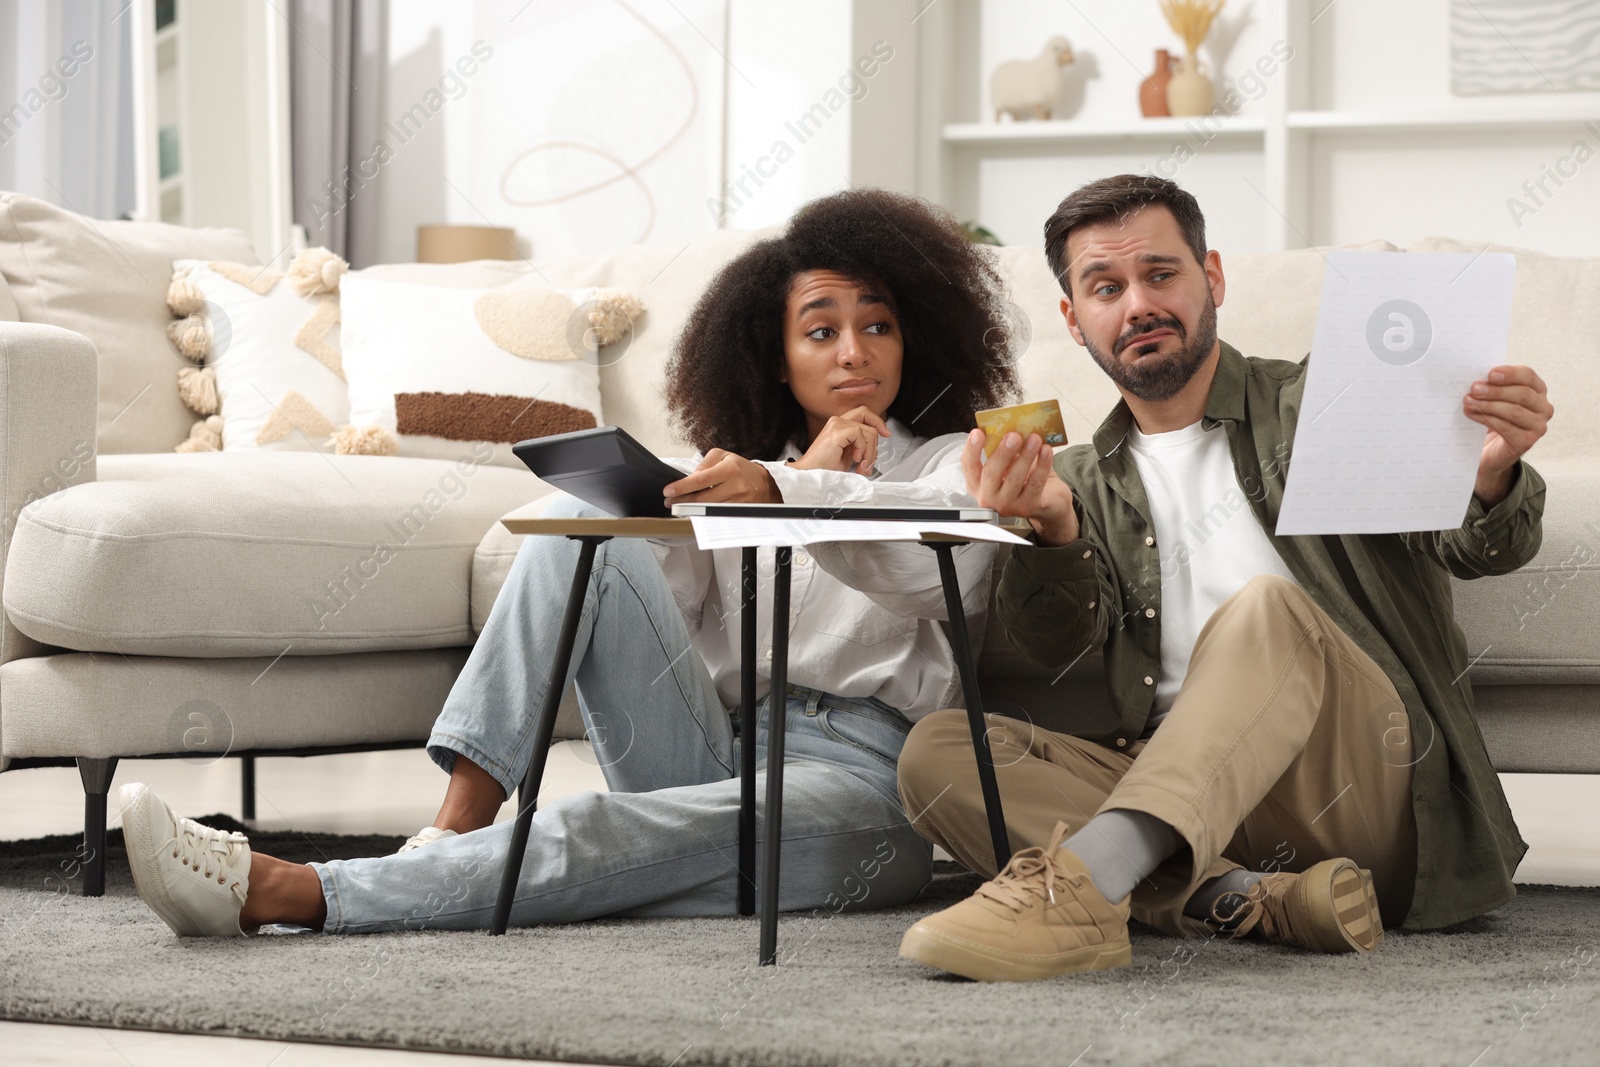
585	125
788	60
617	116
1376	55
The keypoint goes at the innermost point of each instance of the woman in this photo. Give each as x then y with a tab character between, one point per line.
838	363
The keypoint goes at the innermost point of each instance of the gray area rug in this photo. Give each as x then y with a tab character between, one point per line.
1515	987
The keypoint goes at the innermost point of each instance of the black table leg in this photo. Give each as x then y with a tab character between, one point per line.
777	705
545	725
969	686
247	788
747	732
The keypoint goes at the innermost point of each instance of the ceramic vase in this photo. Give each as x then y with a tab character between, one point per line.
1153	90
1189	92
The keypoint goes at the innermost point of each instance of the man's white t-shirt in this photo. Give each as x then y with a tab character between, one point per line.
1209	539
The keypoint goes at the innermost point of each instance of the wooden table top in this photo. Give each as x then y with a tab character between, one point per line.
673	527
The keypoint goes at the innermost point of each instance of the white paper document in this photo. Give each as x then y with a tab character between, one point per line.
1382	444
720	532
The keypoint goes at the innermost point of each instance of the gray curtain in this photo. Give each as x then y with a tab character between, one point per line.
66	104
337	54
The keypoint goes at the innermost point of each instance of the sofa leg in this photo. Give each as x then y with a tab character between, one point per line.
96	775
247	787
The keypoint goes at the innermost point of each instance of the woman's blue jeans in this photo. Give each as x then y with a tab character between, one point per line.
664	841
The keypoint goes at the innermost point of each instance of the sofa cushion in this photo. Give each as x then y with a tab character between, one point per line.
1539	624
492	559
108	281
257	554
8	303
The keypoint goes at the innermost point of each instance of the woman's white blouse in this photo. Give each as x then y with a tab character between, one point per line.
864	617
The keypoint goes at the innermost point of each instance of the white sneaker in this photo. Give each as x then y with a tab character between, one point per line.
194	877
425	836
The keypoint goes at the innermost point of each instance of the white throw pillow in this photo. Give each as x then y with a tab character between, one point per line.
273	352
443	368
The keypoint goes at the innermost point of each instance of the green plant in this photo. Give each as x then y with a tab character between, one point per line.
980	235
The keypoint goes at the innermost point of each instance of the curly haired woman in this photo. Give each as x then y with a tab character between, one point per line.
838	363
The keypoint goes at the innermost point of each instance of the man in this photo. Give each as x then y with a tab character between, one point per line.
1282	702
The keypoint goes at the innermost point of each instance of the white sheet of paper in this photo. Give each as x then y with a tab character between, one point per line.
1382	445
721	532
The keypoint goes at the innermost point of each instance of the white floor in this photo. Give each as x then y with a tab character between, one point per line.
34	1045
397	792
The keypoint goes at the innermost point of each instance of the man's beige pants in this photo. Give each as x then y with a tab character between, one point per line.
1285	746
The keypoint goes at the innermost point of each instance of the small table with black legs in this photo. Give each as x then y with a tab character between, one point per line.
589	533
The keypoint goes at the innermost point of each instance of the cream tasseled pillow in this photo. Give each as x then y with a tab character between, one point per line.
268	372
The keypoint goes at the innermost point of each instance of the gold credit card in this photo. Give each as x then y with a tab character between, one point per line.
1042	418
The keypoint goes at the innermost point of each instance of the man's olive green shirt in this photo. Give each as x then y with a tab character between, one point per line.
1389	592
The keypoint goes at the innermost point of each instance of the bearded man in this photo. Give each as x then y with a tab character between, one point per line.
1295	756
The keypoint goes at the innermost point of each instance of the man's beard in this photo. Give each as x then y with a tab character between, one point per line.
1164	377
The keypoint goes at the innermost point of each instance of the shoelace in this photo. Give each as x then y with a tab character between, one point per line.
1258	908
426	836
196	846
1031	873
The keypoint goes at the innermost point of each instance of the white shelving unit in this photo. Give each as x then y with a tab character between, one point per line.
213	84
1306	165
1486	120
171	105
1250	127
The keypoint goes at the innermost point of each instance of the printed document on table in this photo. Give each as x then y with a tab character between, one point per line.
1382	444
722	532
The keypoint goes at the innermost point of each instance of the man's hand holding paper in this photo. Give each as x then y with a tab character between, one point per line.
1512	403
1409	354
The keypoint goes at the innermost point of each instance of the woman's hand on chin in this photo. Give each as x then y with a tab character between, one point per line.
848	442
724	478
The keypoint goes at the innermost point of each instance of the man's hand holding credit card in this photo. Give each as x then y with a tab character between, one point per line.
1009	466
1042	417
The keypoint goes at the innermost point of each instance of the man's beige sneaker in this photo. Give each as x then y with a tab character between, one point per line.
194	877
1330	907
1040	917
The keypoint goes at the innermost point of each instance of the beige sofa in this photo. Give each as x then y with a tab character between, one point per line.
159	604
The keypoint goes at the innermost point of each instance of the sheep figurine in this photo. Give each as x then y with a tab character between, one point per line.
1024	88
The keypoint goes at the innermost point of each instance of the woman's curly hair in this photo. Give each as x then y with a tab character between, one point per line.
723	382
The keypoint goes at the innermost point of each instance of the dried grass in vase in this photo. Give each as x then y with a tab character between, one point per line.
1191	19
